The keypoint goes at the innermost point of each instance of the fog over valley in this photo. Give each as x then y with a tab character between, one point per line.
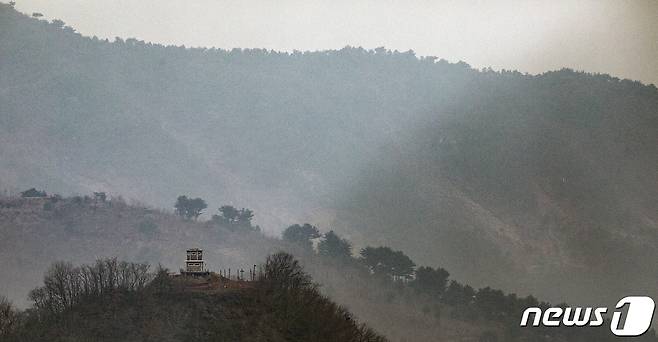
430	198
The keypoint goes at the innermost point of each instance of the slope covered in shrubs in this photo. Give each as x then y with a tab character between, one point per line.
120	301
381	286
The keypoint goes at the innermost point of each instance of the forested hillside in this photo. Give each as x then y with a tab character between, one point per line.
80	230
542	184
120	301
110	300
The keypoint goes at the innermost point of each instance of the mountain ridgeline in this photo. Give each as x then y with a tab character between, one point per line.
542	184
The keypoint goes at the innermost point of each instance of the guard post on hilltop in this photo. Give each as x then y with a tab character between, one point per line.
194	264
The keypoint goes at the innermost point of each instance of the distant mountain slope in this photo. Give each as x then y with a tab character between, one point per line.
553	177
544	184
150	122
79	230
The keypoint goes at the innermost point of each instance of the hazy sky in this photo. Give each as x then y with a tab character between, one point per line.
613	36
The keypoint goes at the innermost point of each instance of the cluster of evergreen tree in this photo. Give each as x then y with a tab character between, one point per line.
235	219
189	208
229	217
440	293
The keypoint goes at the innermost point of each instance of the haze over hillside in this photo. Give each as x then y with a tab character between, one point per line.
611	36
107	299
539	184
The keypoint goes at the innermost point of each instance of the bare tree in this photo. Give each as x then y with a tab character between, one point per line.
65	285
8	317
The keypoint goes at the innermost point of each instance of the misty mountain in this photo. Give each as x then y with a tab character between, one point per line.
544	184
107	299
553	177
